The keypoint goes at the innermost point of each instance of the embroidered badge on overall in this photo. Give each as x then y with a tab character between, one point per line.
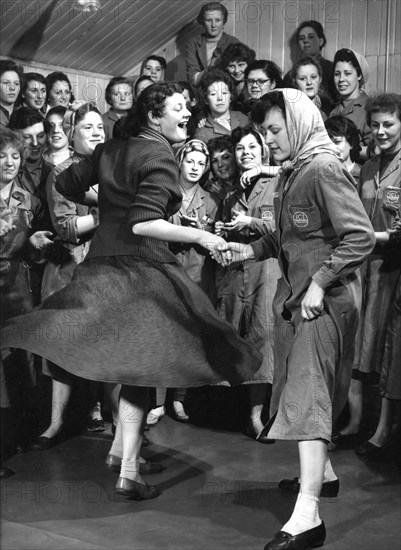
300	219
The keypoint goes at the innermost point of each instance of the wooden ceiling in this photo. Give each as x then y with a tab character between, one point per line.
110	41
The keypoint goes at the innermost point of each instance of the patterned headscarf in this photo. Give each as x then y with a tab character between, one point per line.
306	130
189	147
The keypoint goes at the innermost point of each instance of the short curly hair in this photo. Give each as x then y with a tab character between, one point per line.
9	138
212	77
271	70
152	100
383	103
236	52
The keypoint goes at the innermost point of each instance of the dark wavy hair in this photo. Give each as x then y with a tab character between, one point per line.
29	77
341	126
57	76
24	118
238	133
348	56
383	103
303	62
212	6
316	26
271	70
113	82
272	100
9	138
212	77
236	52
152	100
220	144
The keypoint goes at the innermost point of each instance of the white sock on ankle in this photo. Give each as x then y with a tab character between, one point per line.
305	515
130	469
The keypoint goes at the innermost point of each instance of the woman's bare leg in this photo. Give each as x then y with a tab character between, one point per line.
257	397
61	393
355	401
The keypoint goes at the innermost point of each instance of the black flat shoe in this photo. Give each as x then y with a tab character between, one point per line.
329	488
340	441
250	432
373	453
113	463
43	443
134	490
308	539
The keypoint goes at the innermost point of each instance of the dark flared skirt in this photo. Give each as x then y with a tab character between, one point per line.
128	320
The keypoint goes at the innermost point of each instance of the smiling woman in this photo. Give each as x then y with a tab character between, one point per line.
153	325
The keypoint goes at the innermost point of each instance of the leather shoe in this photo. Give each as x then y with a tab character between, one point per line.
135	490
179	413
374	453
43	443
308	539
154	416
250	432
113	463
329	488
340	441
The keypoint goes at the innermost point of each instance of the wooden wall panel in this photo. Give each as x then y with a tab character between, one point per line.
268	27
358	30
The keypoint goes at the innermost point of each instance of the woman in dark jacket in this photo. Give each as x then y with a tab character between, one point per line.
131	315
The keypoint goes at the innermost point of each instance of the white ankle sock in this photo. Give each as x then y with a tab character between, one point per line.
130	470
305	515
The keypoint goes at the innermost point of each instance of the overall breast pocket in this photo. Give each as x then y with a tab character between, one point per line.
304	218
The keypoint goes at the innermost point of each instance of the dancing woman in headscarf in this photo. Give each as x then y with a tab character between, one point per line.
323	235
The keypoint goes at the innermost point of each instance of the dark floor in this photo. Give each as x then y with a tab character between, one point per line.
219	492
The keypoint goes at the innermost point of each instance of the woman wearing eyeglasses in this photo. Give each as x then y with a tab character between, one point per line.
261	77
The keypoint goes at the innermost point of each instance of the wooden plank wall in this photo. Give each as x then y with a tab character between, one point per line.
268	25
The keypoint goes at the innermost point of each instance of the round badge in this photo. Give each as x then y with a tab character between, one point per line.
392	196
300	219
267	216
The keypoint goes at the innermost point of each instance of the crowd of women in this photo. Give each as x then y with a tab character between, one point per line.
276	196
